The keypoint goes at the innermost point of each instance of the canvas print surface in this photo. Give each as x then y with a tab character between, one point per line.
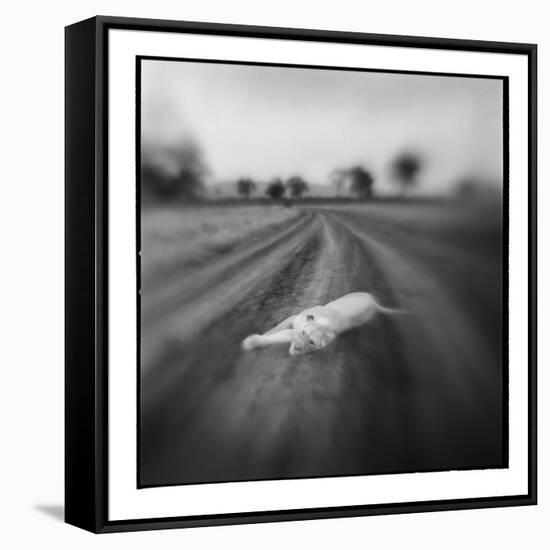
322	265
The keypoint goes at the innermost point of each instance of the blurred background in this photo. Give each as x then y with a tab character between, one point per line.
211	126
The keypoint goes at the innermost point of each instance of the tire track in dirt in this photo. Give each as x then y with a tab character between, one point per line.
163	274
182	309
382	398
267	414
171	292
460	383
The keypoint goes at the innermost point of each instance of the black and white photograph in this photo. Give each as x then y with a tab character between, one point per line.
322	260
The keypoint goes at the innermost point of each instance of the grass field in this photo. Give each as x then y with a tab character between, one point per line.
190	236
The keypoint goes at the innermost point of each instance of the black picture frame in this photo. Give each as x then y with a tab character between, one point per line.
86	269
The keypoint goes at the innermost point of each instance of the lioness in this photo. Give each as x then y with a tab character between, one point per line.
315	327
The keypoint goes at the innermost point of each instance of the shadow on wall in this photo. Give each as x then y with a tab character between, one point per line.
55	511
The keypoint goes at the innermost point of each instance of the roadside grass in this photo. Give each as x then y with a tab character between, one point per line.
190	236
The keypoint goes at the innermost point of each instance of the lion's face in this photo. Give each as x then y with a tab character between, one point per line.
311	338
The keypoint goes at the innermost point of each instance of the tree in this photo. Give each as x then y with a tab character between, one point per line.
175	171
296	186
405	169
361	182
245	187
275	189
470	189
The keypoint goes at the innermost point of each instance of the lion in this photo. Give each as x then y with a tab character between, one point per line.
316	327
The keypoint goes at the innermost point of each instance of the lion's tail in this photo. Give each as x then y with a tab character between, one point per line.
391	310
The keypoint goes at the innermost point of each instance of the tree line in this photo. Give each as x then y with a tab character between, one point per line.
358	180
179	172
295	186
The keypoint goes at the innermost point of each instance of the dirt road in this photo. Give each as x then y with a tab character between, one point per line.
404	393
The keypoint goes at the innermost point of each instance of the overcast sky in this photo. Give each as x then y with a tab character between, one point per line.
264	122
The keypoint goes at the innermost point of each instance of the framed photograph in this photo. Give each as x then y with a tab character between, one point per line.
300	274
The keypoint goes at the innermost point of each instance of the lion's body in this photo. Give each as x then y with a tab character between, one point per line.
345	313
316	327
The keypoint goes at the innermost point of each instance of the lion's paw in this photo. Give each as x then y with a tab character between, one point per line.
250	342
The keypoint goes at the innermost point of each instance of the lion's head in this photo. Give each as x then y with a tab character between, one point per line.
311	338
